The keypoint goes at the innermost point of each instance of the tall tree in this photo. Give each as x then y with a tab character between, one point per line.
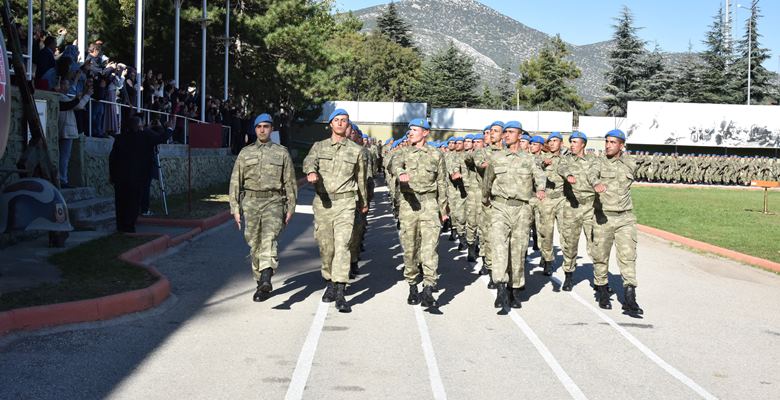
750	48
390	24
653	83
686	84
545	80
506	90
719	85
489	100
448	79
625	62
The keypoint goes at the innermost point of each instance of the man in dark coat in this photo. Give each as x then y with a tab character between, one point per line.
129	168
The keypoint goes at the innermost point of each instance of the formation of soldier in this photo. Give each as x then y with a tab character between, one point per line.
503	187
705	168
488	189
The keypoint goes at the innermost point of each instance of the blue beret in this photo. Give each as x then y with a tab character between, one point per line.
555	135
388	140
525	137
537	139
451	139
263	118
616	133
336	113
578	135
497	123
420	122
365	136
443	144
513	124
459	139
468	137
479	136
487	128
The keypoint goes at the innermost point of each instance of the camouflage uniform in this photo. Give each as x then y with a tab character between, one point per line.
577	207
550	209
263	189
614	221
507	188
456	191
423	202
341	188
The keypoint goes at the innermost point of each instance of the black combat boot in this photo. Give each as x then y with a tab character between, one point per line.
568	283
484	270
427	299
265	280
259	294
330	293
515	298
602	294
472	256
491	284
414	296
462	244
548	268
453	235
629	301
353	270
502	297
341	302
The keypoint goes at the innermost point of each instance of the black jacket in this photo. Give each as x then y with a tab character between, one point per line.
130	161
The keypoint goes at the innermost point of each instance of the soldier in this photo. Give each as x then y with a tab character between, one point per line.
507	188
578	204
611	177
359	228
551	209
421	171
263	188
535	147
456	194
337	169
471	184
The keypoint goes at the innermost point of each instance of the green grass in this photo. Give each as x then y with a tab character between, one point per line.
89	270
725	218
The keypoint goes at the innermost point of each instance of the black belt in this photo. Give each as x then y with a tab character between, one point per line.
262	193
338	196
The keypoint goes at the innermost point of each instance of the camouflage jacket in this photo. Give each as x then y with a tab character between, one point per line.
262	167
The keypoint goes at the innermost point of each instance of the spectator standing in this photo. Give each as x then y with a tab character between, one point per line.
67	127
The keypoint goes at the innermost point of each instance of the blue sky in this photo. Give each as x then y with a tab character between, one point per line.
671	23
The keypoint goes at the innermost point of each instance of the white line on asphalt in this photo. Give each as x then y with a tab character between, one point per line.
644	349
305	359
430	358
562	376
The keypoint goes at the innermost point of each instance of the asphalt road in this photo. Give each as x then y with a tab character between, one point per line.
711	329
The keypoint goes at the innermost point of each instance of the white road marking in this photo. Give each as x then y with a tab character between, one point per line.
548	357
644	349
430	358
305	359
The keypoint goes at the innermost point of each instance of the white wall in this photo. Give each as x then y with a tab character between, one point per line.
376	112
595	127
692	124
476	119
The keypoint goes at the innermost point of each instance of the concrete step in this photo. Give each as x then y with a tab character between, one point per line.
84	209
100	222
77	194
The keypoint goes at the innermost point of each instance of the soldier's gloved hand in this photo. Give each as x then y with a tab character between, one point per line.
403	178
237	217
600	188
571	179
540	195
312	177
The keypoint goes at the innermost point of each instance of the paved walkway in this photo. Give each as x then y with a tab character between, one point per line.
711	329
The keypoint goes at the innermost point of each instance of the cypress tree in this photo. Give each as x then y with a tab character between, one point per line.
394	27
718	81
625	62
448	79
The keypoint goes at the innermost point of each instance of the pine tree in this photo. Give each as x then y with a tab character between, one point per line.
654	81
545	80
448	79
394	27
489	100
686	80
506	90
760	77
625	65
718	82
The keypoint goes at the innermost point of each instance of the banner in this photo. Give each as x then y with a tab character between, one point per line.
693	124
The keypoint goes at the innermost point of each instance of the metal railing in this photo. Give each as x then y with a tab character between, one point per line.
164	118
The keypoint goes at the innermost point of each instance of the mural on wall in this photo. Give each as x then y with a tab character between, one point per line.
692	124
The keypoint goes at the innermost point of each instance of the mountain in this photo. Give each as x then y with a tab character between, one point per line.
494	40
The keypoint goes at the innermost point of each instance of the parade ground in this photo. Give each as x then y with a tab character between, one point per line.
711	329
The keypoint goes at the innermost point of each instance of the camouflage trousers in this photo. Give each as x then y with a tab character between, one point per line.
358	229
333	223
473	209
263	220
550	212
577	217
509	228
456	198
420	227
485	249
618	228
